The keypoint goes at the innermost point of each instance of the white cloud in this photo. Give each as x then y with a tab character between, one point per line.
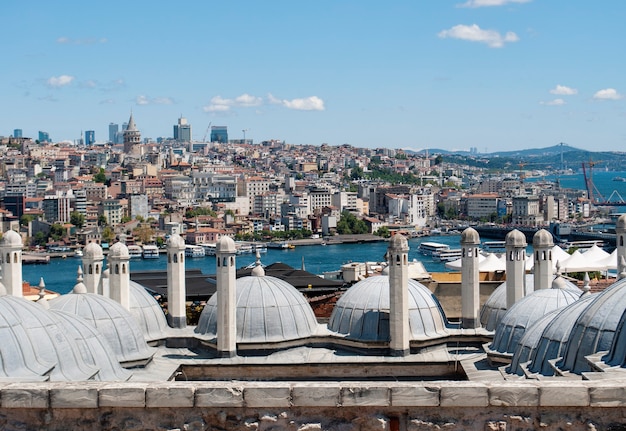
607	94
247	100
145	100
482	3
562	90
88	41
220	104
60	81
312	103
555	102
474	33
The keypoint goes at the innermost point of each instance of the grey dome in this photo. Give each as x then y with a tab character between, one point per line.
470	236
527	311
94	349
93	251
595	327
494	308
11	239
362	312
112	320
32	334
175	241
515	239
528	343
555	336
119	251
399	242
617	353
268	310
225	245
621	222
543	238
148	313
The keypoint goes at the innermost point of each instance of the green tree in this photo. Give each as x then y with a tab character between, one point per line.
107	234
56	231
350	224
100	177
26	219
77	219
383	232
102	220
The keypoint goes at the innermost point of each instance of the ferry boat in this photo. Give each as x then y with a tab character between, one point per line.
429	248
447	255
618	178
150	251
243	248
259	248
135	251
209	249
78	253
281	245
194	251
582	245
494	246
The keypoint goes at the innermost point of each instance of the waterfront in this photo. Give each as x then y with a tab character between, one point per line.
60	274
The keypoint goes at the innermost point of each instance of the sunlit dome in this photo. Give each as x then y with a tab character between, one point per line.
495	308
93	251
119	250
176	241
362	312
268	310
148	313
11	238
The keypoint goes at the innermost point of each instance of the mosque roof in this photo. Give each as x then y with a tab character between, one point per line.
93	251
11	238
119	251
148	313
362	312
268	310
617	354
515	238
495	308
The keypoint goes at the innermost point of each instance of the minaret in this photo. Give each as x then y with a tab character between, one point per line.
92	266
176	287
542	246
515	245
398	260
470	283
620	241
119	274
11	258
132	136
226	297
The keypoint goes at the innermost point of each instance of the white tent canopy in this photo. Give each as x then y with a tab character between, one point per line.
489	263
578	262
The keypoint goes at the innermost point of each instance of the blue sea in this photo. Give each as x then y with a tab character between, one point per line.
60	274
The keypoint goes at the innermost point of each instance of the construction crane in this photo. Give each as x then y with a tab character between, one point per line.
521	171
207	132
591	187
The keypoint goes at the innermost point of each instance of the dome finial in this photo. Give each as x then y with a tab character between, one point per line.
42	294
80	286
258	270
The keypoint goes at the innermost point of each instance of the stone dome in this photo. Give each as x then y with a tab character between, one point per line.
527	311
399	242
268	310
119	250
225	245
362	312
175	241
112	320
93	251
470	236
543	238
554	337
35	342
11	239
515	239
495	308
94	349
617	354
621	222
594	329
148	313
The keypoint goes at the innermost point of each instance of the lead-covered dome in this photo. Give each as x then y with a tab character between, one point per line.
93	251
470	236
621	222
119	251
543	238
11	238
617	354
527	311
268	310
515	239
494	308
175	241
225	245
362	312
148	313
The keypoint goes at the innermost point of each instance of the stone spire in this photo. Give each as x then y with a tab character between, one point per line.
542	246
92	264
227	296
397	253
470	283
119	274
515	245
11	258
620	240
176	282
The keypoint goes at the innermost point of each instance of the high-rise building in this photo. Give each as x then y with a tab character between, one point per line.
219	134
44	136
113	131
90	137
17	133
182	130
132	136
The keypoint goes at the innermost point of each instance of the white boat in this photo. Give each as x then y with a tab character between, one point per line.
209	249
281	244
78	253
429	248
244	248
150	251
494	246
447	255
260	248
194	251
135	252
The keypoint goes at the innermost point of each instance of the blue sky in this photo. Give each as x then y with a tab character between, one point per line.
491	74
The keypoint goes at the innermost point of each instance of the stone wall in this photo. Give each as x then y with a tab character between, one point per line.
300	406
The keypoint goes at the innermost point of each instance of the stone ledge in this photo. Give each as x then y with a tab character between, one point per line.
74	395
270	394
463	394
122	395
607	395
514	395
362	395
211	395
171	394
25	395
314	395
557	394
418	396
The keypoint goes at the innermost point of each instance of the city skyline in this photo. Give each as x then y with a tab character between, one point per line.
489	74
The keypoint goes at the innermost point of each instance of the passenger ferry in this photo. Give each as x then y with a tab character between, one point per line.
209	249
194	251
282	245
150	251
582	245
260	248
243	248
135	252
494	247
429	248
447	255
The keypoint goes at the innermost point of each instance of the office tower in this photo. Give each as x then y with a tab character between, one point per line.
182	130
17	133
113	131
90	137
219	134
44	136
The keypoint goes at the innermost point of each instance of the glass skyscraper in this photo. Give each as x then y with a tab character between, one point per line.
219	134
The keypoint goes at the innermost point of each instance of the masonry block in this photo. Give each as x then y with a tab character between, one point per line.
219	396
170	395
